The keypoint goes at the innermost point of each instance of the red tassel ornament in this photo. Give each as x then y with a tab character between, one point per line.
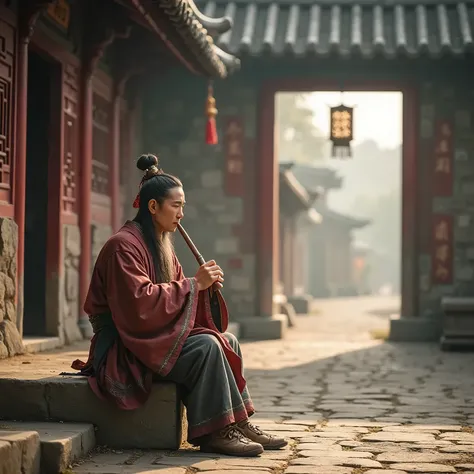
211	112
136	203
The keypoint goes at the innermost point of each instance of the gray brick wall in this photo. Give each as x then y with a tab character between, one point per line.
221	226
454	102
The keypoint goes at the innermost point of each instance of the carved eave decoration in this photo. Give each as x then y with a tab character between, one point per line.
195	31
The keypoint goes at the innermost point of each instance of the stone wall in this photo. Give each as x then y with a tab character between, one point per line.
100	235
222	226
451	101
174	124
10	339
70	293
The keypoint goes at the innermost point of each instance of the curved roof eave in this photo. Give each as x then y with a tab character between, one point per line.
195	30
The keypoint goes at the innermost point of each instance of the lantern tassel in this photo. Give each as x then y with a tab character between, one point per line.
211	131
211	112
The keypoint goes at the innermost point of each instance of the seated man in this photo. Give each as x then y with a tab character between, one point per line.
149	319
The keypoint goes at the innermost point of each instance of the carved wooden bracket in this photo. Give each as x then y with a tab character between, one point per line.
123	79
131	59
109	23
29	13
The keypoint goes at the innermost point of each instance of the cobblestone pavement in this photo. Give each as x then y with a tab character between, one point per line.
348	403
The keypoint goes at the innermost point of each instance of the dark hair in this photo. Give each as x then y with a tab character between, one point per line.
155	185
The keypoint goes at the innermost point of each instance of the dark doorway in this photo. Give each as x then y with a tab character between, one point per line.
36	213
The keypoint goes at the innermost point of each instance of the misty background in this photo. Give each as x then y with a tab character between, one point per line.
371	185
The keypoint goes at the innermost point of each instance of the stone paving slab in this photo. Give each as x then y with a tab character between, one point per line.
348	403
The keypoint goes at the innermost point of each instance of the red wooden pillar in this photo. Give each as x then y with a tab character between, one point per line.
85	193
410	205
268	216
114	166
20	166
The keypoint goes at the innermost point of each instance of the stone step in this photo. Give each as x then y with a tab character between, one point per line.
159	424
47	447
19	451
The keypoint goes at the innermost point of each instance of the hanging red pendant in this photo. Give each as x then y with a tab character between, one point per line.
211	131
211	112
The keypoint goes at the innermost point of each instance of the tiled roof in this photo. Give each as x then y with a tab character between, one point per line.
331	215
196	31
346	28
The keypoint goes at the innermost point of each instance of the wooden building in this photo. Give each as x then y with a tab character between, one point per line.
330	254
329	248
297	219
71	79
422	48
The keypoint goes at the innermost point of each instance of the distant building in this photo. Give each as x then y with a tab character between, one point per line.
330	249
297	216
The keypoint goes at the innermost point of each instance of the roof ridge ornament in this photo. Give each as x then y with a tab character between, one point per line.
215	26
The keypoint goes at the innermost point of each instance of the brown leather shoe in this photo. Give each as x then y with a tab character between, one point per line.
255	434
232	442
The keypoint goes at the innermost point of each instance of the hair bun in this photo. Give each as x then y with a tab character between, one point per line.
146	161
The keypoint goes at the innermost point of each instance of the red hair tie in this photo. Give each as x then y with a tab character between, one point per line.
149	173
136	203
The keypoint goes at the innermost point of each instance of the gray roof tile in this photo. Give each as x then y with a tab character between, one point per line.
346	28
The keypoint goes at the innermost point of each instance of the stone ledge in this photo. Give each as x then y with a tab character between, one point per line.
457	304
264	328
156	425
34	345
413	329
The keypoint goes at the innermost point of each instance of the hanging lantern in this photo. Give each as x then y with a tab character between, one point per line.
341	131
211	112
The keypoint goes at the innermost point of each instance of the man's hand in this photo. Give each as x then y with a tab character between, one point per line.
208	274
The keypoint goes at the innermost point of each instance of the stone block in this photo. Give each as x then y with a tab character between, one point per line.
24	455
23	399
239	283
61	443
467	188
464	273
442	204
228	219
211	179
229	245
264	328
470	253
156	425
415	329
9	462
301	303
11	338
462	119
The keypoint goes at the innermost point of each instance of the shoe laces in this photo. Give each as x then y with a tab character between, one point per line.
232	432
254	428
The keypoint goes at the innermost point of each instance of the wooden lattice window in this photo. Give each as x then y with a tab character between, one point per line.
7	77
70	91
100	145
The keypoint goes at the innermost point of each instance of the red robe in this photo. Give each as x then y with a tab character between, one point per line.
152	320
